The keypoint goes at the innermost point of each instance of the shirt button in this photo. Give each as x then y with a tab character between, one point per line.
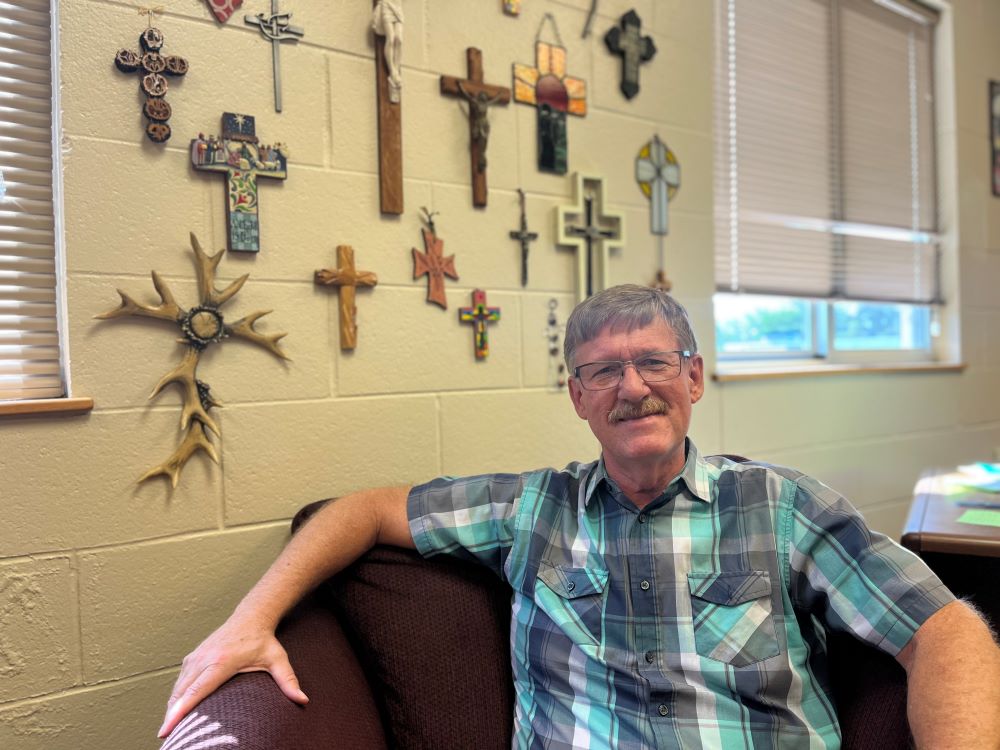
650	657
662	709
570	586
644	585
642	518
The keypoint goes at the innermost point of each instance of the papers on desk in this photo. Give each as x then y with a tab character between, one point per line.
980	476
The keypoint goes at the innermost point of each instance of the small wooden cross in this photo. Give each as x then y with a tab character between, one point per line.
480	97
479	315
276	29
634	49
390	134
152	66
525	238
238	155
433	264
348	278
600	231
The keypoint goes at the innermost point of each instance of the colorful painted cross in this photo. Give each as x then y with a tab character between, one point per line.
480	97
348	278
512	7
276	29
479	315
433	264
525	238
223	9
390	110
547	87
152	66
627	40
238	155
600	231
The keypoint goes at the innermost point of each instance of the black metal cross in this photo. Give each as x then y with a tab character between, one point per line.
634	49
276	27
590	232
525	237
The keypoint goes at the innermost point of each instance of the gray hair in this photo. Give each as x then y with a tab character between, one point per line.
627	307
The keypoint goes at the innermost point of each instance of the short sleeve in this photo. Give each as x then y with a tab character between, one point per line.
471	518
854	579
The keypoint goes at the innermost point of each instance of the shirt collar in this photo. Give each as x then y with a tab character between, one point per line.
694	476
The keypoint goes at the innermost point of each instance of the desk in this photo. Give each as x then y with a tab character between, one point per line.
966	557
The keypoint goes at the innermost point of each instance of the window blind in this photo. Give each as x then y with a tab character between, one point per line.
29	337
825	179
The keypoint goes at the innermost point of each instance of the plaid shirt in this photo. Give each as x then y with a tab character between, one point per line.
695	622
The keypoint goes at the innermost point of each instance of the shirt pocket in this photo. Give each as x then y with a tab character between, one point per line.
574	599
731	612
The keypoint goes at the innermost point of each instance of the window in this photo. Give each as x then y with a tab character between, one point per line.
827	244
31	365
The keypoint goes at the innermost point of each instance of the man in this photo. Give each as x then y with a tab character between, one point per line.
661	599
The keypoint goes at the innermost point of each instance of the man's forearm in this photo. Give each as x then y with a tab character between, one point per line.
332	539
953	682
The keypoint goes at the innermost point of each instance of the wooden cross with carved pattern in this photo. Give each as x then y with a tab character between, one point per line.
433	264
480	97
348	278
479	315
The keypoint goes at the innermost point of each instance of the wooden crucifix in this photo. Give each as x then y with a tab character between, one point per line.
387	23
480	97
152	67
237	153
627	40
525	237
433	264
276	29
598	231
348	278
479	315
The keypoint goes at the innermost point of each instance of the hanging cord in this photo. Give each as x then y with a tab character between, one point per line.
590	19
555	29
148	12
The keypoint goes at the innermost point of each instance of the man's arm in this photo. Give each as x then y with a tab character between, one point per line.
953	681
332	539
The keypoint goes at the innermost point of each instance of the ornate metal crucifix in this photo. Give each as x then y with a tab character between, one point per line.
433	264
152	67
600	231
480	97
634	49
525	237
277	29
479	315
239	156
348	278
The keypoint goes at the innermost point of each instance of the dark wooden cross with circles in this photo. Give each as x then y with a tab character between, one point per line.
480	97
479	315
348	278
277	29
595	231
239	155
433	264
525	237
627	40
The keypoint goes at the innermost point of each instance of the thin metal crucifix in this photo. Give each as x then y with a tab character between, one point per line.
277	28
525	237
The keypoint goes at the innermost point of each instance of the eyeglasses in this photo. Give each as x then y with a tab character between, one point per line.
654	367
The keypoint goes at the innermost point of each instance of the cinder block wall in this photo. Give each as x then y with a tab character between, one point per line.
104	585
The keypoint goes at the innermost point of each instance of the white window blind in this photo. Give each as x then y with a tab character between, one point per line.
825	179
29	337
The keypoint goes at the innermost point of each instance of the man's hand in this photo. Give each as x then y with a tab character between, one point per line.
233	648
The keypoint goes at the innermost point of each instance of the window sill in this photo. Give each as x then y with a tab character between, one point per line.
60	406
739	374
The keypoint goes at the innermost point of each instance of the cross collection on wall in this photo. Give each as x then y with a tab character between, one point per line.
587	225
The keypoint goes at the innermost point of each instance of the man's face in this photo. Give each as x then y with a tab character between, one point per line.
656	440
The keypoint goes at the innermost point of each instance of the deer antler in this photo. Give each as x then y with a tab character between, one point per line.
205	265
196	402
243	328
167	310
195	440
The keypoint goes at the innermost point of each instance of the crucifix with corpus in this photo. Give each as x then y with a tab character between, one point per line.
480	97
659	177
387	25
276	29
239	155
348	278
589	227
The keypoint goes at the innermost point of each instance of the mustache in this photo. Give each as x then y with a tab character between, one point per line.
627	410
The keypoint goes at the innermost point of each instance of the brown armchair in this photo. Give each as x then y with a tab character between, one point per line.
405	653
